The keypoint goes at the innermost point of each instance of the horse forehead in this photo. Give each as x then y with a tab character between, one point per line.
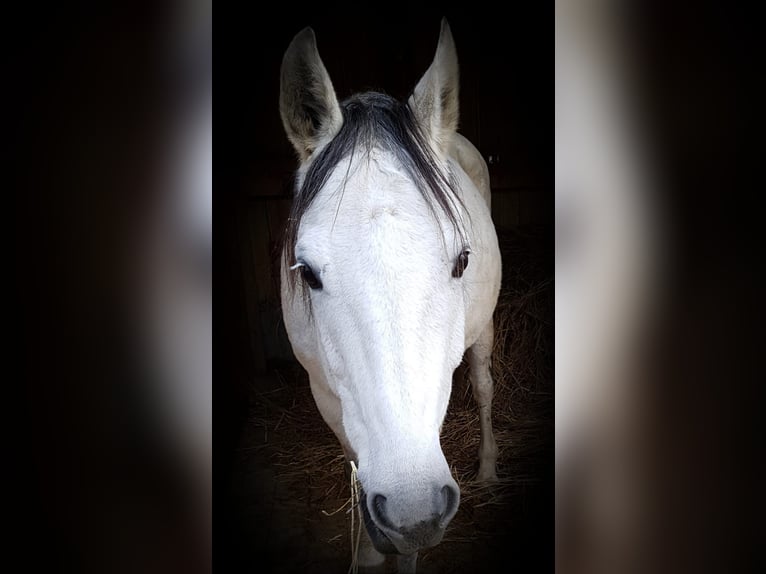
362	197
379	184
370	205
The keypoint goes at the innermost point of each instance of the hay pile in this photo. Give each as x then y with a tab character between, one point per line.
522	409
308	461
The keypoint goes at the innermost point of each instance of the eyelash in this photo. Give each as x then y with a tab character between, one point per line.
308	275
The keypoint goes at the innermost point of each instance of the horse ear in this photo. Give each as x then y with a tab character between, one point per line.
307	102
435	99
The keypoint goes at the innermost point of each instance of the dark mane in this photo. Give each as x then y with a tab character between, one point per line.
372	120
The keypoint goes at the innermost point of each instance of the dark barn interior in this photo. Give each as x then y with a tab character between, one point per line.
278	466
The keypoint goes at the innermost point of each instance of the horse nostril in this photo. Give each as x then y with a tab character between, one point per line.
450	499
378	511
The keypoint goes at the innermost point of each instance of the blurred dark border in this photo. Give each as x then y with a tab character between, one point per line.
85	110
93	94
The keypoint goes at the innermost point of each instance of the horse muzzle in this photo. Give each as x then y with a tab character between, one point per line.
391	539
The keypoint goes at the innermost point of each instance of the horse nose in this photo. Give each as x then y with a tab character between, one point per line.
415	524
378	512
450	497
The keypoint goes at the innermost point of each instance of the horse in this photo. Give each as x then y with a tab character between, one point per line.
390	274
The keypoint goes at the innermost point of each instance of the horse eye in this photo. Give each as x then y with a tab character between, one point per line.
309	277
460	264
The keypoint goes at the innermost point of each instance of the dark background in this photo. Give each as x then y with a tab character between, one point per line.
506	110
